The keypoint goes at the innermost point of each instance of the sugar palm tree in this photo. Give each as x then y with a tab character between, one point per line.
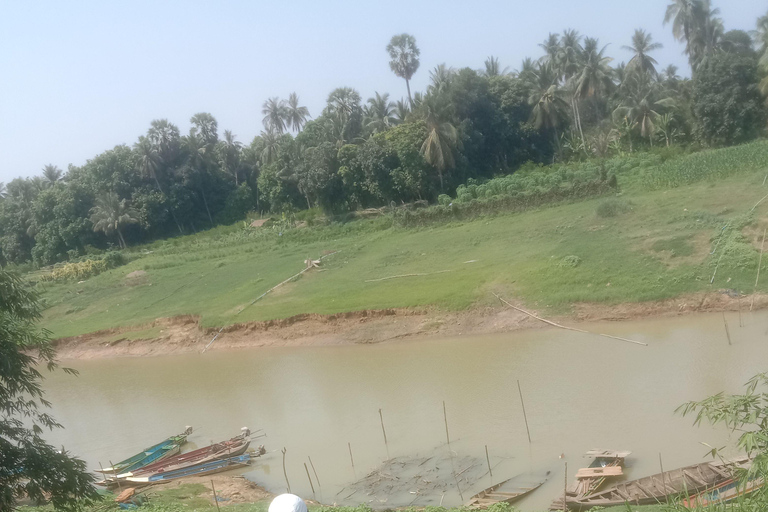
343	105
51	175
295	115
111	215
404	55
642	45
493	68
380	113
165	139
274	114
207	126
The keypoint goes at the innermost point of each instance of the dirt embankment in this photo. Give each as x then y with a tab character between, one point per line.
183	334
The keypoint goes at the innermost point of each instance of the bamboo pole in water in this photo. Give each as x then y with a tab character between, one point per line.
285	473
759	263
310	480
525	416
383	431
488	460
727	332
445	418
315	472
349	445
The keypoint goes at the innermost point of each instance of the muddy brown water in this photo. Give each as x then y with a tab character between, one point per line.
580	391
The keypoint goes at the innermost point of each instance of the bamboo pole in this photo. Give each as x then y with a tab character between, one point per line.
759	263
285	473
310	481
741	323
445	418
383	431
114	471
216	501
488	460
349	445
566	327
315	472
727	332
525	416
565	488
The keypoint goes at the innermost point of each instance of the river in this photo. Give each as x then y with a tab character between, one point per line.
580	391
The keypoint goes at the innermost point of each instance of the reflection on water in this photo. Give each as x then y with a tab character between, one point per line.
581	392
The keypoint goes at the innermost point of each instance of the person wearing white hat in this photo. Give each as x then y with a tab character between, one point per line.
287	503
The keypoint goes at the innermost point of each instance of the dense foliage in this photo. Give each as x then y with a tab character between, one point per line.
468	127
30	467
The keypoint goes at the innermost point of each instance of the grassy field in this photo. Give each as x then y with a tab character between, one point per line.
650	241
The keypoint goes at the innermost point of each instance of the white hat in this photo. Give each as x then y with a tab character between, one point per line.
287	503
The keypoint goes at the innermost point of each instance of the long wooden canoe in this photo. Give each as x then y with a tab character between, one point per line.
206	468
658	488
161	450
723	493
509	490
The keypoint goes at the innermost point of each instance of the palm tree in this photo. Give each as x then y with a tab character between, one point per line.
441	78
343	105
639	109
401	110
761	38
51	175
111	214
404	53
706	36
493	68
2	190
442	138
641	46
229	155
547	99
551	47
274	111
149	160
380	113
271	142
528	69
593	77
164	137
197	150
206	126
295	115
664	126
570	54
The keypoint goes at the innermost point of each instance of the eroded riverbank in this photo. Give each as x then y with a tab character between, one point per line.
183	334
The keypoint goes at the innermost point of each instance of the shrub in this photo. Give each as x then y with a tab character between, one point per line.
571	261
612	207
76	271
114	259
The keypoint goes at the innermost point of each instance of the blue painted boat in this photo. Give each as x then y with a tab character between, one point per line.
161	450
206	468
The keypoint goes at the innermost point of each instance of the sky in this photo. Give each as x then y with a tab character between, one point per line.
80	77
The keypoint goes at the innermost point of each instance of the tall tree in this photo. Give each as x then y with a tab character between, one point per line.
295	115
207	126
401	111
546	97
51	174
682	15
229	155
274	111
551	47
404	55
708	31
642	45
112	214
165	139
380	113
440	78
149	160
343	106
442	139
493	68
592	78
28	465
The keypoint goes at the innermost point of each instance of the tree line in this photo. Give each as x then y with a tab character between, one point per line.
569	103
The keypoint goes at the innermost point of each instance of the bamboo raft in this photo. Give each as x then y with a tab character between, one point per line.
660	487
509	490
605	464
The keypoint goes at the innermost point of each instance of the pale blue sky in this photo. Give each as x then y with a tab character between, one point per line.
77	78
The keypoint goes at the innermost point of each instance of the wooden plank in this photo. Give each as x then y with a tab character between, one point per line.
598	472
608	454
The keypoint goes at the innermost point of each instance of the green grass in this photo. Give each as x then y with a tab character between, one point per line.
550	258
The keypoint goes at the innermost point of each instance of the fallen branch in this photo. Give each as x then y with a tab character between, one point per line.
407	275
566	327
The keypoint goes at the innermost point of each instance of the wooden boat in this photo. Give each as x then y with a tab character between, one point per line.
658	488
206	468
161	450
509	490
605	464
231	448
723	493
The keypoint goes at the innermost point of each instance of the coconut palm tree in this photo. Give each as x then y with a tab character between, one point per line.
111	215
274	111
404	55
528	69
707	33
546	97
2	190
229	155
295	115
271	144
440	78
442	138
493	68
149	160
682	14
401	110
380	113
551	47
593	77
51	175
640	109
642	45
570	54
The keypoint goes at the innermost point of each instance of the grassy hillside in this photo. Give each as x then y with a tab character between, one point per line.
650	241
